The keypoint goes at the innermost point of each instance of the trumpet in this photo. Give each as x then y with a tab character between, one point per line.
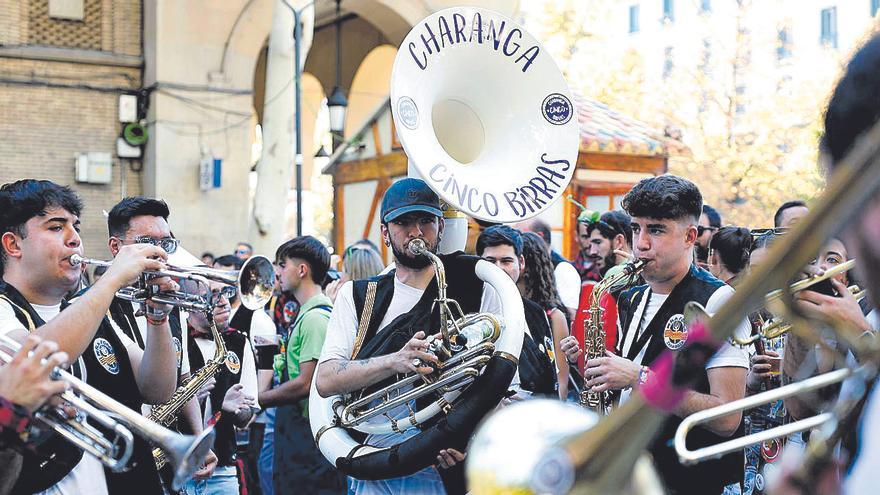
255	283
185	451
778	326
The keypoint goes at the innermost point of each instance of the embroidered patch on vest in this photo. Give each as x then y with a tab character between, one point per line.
547	348
106	356
770	450
178	350
675	333
233	364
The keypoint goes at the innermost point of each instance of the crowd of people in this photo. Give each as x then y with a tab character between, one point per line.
336	328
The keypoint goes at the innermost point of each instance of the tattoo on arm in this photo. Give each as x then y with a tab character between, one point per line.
342	366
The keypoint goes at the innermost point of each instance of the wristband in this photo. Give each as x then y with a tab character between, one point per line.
643	374
14	418
156	322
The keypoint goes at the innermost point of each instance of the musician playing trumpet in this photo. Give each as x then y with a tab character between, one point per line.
39	231
664	212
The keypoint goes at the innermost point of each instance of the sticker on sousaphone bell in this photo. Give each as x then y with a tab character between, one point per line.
675	333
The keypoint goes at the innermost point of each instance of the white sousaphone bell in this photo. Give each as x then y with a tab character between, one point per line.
484	115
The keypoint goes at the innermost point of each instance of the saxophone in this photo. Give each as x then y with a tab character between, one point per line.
166	413
594	331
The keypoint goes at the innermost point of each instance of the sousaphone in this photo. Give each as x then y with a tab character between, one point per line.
487	120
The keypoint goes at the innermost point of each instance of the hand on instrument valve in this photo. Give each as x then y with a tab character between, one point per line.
570	348
157	311
449	458
760	368
413	356
611	372
236	401
207	468
26	379
131	261
844	310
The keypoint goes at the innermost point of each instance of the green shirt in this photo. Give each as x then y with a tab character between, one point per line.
304	340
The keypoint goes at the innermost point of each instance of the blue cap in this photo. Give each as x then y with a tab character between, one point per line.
408	195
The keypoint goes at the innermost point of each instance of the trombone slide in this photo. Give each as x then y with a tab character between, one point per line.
687	456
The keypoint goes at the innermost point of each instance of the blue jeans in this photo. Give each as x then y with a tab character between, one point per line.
267	454
224	481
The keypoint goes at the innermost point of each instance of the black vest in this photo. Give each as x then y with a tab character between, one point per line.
230	373
537	372
122	314
108	369
462	285
709	477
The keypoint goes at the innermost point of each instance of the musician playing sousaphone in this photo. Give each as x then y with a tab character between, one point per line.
39	225
664	212
394	339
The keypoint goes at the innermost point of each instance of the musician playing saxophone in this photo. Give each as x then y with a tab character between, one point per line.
403	298
665	211
39	225
145	221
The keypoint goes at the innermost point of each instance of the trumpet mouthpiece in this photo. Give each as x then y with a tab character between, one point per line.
76	259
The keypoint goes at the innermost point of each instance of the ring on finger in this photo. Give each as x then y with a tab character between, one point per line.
416	362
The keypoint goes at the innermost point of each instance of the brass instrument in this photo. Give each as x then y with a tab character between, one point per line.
165	414
688	456
186	452
594	330
466	345
255	283
580	461
778	326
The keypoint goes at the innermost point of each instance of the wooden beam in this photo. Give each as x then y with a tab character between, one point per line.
377	140
381	187
655	165
390	165
568	222
339	216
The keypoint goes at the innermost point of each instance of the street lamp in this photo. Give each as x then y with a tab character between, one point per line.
337	102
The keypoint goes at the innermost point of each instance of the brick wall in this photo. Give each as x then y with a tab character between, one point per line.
43	127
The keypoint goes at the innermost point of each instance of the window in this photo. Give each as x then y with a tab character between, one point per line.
633	18
706	6
668	10
667	62
829	27
783	43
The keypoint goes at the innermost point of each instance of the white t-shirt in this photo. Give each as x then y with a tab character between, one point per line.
568	284
726	356
247	378
88	475
342	331
343	324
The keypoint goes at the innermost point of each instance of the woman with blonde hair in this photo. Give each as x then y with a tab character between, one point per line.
359	261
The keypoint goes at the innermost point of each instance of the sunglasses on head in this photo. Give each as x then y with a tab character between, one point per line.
756	233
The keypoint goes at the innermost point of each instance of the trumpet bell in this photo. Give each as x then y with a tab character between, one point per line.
256	282
473	95
187	453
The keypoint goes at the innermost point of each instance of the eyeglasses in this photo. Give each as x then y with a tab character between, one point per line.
242	251
168	244
701	229
756	233
227	293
